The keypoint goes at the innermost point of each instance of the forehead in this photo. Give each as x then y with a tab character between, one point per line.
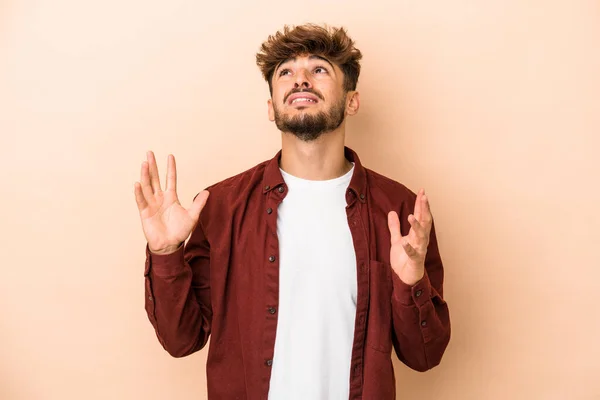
311	57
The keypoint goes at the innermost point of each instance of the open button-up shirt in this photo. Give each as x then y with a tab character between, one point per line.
224	282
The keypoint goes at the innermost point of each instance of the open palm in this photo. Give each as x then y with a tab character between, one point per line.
407	253
165	222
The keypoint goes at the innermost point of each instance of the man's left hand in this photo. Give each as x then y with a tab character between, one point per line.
407	254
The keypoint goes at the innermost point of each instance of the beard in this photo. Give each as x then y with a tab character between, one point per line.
308	127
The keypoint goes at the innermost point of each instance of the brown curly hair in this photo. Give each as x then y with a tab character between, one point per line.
333	44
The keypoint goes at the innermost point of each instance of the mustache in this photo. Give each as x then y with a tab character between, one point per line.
319	95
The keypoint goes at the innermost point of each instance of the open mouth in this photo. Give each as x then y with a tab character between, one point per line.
302	99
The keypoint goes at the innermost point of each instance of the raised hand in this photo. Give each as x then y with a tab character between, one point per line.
165	222
407	254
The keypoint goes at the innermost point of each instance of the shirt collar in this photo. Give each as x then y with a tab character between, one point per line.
272	177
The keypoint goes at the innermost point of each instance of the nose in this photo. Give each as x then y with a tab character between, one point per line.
302	79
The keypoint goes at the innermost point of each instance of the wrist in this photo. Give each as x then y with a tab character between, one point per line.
165	250
411	277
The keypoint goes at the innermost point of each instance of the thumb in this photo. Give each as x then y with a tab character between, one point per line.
394	226
198	204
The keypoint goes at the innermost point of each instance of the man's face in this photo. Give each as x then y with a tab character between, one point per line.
309	98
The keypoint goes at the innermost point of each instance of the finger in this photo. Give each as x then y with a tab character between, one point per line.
409	250
153	169
171	174
139	196
198	204
426	219
418	204
416	226
394	226
145	182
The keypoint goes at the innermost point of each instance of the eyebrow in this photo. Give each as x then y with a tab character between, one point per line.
312	57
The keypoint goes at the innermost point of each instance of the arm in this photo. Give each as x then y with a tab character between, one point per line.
177	287
420	317
177	278
421	321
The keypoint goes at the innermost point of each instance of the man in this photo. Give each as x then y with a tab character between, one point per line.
307	269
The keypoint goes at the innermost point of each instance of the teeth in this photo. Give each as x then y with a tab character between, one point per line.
303	99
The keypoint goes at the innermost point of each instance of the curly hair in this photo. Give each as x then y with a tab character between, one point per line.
333	44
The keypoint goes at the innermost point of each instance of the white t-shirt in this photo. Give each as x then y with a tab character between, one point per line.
317	292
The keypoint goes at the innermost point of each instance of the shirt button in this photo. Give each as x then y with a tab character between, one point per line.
269	362
272	310
423	323
272	258
281	189
269	210
267	187
362	196
418	293
150	298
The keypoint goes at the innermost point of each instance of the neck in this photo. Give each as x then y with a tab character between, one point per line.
320	159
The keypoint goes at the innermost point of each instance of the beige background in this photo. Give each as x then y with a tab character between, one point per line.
492	106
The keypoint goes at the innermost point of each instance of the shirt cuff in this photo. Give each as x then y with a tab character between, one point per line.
407	295
164	264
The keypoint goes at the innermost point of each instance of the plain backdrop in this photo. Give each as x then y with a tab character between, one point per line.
492	106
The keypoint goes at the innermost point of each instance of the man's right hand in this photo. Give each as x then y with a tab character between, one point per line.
165	222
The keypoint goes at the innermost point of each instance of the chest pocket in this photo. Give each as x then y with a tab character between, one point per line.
379	322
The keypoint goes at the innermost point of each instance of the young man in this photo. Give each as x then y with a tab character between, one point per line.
307	269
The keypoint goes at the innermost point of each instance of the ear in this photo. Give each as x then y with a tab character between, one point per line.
271	111
353	103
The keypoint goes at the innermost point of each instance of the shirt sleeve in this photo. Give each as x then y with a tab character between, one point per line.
177	289
421	320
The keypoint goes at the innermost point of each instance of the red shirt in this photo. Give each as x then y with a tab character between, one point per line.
225	283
